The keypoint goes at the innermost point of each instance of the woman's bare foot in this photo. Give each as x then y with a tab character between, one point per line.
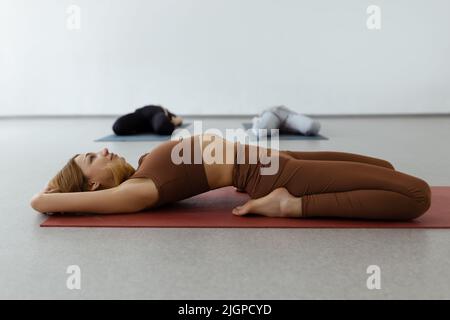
279	203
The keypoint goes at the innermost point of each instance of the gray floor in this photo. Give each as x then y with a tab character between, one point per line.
217	263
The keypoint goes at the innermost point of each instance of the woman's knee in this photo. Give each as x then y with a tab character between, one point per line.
268	120
120	128
129	124
387	164
421	193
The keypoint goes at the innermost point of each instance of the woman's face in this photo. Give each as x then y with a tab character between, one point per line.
96	167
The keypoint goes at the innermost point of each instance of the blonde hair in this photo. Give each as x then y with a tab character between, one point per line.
71	178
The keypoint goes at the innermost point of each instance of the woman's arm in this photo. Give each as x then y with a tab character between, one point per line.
126	198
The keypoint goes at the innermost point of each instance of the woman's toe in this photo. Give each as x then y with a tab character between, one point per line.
244	209
238	211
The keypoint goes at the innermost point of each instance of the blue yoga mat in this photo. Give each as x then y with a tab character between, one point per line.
141	136
285	135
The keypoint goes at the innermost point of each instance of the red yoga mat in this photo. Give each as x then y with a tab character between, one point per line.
213	210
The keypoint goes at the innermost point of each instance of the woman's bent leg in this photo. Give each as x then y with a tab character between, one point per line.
358	190
348	189
338	156
130	123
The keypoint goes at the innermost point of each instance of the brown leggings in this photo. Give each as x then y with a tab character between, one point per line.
340	184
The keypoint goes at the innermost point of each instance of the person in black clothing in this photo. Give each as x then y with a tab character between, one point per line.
148	119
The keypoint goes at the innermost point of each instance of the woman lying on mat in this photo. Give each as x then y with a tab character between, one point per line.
295	184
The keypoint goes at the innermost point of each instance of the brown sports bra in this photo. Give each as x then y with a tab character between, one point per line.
174	181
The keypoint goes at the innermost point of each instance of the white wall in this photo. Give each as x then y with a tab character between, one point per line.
224	56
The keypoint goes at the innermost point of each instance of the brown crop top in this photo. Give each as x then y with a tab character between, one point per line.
173	181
